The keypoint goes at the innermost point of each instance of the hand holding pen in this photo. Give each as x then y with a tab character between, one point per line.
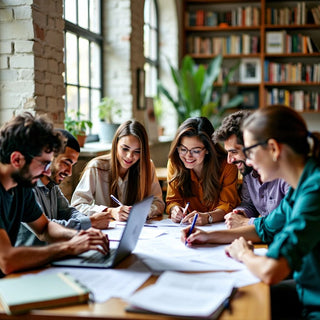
184	212
120	213
192	227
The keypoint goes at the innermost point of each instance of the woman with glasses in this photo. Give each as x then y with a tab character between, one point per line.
279	145
114	182
199	175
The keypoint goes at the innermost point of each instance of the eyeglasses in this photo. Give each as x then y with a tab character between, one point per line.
45	164
248	150
194	152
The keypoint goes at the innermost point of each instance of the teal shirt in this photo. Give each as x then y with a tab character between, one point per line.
293	231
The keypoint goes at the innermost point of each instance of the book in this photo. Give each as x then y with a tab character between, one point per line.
193	296
21	294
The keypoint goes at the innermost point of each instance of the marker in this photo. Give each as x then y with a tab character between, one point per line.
116	200
184	212
192	226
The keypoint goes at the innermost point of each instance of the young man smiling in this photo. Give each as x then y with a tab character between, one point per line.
51	199
257	198
27	146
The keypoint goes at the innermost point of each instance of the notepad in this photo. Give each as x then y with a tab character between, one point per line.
194	296
19	295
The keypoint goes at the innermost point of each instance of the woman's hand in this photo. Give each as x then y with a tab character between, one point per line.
201	221
196	237
238	248
120	213
176	214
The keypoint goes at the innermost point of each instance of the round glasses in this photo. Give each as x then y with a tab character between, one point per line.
248	150
194	152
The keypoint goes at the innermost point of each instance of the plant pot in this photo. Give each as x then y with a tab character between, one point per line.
107	131
81	139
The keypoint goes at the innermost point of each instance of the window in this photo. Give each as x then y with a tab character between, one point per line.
83	57
151	46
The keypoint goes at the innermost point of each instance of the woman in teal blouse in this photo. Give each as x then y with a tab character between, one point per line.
277	146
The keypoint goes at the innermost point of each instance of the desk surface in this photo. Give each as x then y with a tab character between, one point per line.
250	302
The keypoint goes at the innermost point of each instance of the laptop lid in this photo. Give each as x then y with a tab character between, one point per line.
130	235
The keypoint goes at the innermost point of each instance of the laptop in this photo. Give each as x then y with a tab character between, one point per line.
94	259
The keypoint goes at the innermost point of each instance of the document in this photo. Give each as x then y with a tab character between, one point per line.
187	295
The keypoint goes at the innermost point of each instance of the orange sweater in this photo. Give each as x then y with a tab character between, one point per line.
228	198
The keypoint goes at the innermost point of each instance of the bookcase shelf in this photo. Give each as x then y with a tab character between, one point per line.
284	33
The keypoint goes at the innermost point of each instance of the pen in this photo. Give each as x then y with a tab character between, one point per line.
184	212
192	226
116	200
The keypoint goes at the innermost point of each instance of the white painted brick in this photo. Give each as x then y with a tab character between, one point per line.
22	61
5	47
26	74
19	86
22	12
6	15
17	30
4	63
8	75
9	99
22	46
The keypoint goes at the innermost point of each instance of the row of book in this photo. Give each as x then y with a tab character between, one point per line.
233	44
282	42
287	15
241	16
298	15
291	72
298	99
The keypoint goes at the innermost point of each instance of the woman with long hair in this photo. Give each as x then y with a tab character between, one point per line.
279	145
127	173
198	174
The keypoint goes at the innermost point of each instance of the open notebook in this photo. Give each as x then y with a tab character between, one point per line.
94	259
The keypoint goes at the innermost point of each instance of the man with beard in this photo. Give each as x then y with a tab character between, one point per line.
27	146
257	198
51	199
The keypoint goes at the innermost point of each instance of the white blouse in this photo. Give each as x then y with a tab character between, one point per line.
92	194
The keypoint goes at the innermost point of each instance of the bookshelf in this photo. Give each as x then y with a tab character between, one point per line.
276	42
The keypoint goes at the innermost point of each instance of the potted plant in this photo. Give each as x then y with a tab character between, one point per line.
195	86
108	108
77	126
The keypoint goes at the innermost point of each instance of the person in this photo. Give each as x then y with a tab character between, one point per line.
278	145
27	146
198	174
127	173
257	198
51	199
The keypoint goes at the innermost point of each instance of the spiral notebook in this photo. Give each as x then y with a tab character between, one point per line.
21	294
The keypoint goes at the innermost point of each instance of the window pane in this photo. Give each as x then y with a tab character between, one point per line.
83	62
153	55
147	11
72	99
83	11
153	15
146	37
151	80
71	58
70	12
84	103
95	64
95	25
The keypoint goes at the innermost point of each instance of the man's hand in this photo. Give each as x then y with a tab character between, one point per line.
101	220
235	219
120	213
85	240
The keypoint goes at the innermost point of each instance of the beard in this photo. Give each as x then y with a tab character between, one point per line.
23	178
246	169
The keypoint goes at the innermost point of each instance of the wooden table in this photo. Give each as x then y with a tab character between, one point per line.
251	302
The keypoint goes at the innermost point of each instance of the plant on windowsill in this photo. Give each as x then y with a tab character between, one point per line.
108	108
195	86
77	126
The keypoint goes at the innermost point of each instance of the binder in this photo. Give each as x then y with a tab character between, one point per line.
21	294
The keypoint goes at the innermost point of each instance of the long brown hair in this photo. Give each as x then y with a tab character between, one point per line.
139	179
201	128
285	126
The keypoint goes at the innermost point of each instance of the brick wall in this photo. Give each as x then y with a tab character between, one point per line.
31	58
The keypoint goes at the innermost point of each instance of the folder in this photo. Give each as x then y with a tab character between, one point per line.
21	294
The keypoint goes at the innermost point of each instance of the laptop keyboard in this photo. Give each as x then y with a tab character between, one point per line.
98	257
